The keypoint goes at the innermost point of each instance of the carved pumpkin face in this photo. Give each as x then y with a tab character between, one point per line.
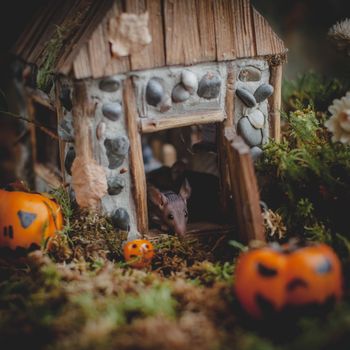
27	218
138	253
271	278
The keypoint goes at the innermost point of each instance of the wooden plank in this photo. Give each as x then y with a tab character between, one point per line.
153	55
230	95
115	65
267	41
65	14
137	170
96	11
182	40
40	97
36	43
206	29
225	189
275	102
81	65
244	188
61	143
148	125
224	35
98	49
243	29
31	126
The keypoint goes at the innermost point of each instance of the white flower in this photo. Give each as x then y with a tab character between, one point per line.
339	122
339	34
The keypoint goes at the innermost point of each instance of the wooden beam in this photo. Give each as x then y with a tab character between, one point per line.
153	55
244	188
137	169
148	125
225	189
40	97
61	143
275	102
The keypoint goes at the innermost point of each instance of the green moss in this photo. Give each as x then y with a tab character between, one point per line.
53	48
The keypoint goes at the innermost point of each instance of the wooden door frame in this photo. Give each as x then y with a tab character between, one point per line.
235	162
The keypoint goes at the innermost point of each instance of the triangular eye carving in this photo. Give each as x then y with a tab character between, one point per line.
266	271
324	267
26	218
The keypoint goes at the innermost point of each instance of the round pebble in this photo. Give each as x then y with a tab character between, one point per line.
100	130
256	153
249	74
263	92
209	86
65	98
189	81
112	111
180	94
154	92
116	150
109	85
256	118
246	97
121	219
115	185
68	161
252	136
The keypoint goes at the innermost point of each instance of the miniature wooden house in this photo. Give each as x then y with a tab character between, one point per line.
125	68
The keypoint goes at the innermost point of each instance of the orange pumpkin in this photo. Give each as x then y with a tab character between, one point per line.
27	219
139	253
274	277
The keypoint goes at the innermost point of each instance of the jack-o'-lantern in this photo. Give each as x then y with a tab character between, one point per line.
139	253
27	219
272	278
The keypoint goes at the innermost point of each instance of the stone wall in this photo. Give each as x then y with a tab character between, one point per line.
165	93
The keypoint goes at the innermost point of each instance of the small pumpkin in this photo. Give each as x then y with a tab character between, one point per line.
27	219
274	277
139	253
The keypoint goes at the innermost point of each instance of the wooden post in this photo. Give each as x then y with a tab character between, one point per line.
275	102
222	155
244	188
83	111
61	143
137	169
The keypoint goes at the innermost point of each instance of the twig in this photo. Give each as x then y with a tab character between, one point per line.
38	125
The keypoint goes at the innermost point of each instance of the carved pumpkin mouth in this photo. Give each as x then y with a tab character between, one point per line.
296	283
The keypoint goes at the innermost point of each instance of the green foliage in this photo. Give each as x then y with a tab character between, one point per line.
314	88
45	75
306	177
44	78
208	273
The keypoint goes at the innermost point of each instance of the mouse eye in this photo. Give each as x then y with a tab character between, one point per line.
186	214
171	217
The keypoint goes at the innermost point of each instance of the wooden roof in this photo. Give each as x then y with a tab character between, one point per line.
70	36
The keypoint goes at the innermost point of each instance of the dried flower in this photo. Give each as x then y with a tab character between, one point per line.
339	34
339	122
274	224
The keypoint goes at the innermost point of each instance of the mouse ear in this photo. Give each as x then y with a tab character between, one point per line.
156	197
185	190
